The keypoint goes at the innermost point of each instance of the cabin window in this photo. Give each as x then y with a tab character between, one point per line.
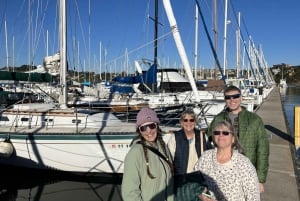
78	121
4	118
24	119
48	120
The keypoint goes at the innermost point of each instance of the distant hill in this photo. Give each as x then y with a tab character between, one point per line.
288	72
22	68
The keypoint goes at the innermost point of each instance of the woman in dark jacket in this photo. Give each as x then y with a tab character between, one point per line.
187	144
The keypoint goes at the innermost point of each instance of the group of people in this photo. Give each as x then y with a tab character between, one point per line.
232	156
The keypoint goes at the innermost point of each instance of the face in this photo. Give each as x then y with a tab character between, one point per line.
188	122
233	101
223	137
149	131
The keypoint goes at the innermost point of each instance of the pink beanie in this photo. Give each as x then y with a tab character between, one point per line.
146	115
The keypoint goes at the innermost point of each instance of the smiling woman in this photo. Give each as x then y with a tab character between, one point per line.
148	168
229	174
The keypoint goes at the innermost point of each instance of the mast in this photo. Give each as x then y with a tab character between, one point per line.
63	55
180	46
6	46
225	38
29	32
13	54
89	56
196	41
47	47
100	60
215	35
155	31
238	46
78	61
154	85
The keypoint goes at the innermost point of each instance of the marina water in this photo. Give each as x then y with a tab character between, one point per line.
21	186
290	97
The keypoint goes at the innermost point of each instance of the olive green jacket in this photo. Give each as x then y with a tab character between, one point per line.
136	183
253	138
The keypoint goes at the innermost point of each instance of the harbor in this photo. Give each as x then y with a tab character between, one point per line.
66	138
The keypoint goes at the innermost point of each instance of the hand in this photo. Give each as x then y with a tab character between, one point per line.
261	188
205	198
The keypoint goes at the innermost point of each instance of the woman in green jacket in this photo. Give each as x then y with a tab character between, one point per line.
148	166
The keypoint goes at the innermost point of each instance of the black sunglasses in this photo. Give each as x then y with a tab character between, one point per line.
190	120
144	128
235	96
221	132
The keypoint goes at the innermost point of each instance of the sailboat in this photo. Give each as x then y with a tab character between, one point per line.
45	137
282	82
167	91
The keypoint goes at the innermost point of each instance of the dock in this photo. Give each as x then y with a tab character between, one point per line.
282	180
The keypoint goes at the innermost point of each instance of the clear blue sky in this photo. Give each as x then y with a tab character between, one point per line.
120	25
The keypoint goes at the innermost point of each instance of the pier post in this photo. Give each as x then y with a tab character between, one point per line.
297	128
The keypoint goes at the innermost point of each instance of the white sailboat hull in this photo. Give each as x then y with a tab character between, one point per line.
65	140
75	155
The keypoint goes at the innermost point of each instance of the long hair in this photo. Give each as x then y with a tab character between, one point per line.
164	148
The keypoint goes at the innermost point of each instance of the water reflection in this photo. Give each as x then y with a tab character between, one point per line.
290	98
21	185
283	91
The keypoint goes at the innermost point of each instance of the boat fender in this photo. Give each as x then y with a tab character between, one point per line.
6	149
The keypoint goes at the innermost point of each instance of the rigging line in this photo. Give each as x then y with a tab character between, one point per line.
138	48
261	71
210	42
80	22
146	21
71	62
35	46
55	32
19	13
36	23
243	40
3	16
15	22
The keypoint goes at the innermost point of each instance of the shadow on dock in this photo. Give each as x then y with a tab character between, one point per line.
280	134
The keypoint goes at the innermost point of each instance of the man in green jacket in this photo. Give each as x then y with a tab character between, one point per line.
250	130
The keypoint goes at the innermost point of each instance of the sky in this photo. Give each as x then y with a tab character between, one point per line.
109	35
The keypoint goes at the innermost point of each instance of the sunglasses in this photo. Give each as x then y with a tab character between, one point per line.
144	128
235	96
188	120
221	132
